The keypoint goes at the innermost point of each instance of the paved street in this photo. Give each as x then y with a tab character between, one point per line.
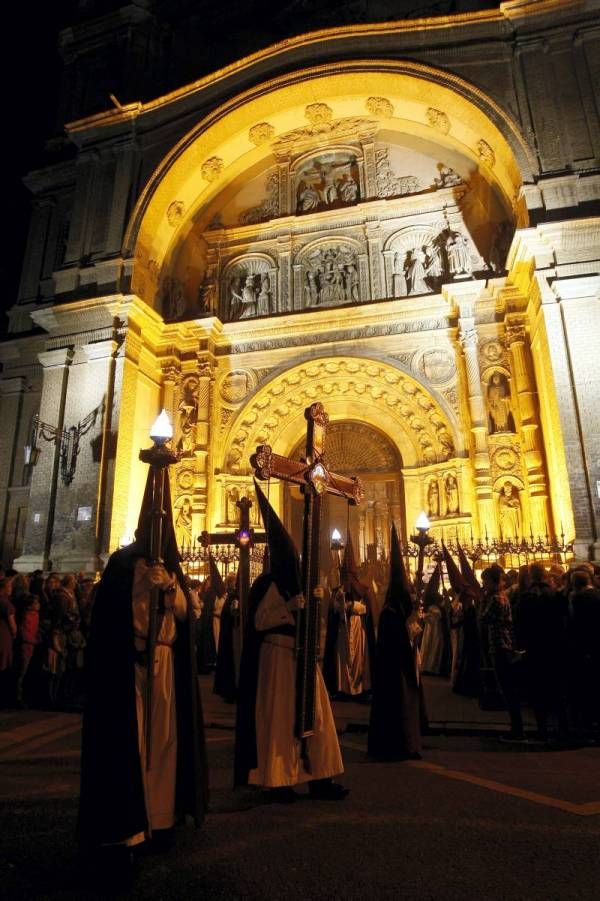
476	819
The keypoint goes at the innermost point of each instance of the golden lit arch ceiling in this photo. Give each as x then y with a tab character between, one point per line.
376	393
241	135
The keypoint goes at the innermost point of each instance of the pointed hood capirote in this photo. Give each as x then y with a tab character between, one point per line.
431	594
284	563
216	579
349	576
143	534
399	594
455	576
467	571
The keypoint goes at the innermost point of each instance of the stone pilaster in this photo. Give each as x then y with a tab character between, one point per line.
45	475
476	407
533	455
11	463
205	426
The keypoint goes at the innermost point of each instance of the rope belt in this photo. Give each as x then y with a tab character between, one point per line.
141	657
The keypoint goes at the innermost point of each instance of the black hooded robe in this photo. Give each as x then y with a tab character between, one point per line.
395	724
112	805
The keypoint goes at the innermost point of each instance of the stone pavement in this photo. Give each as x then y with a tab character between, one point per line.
475	819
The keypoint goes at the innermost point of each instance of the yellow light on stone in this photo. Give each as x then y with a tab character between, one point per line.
161	430
422	523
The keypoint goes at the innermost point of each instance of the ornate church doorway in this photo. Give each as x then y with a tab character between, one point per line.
355	448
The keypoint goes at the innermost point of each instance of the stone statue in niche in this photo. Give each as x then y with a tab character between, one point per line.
264	296
451	488
328	181
207	296
250	290
331	277
509	511
416	272
458	254
183	522
498	403
188	418
433	498
232	496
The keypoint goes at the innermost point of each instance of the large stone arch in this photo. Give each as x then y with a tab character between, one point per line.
237	137
372	391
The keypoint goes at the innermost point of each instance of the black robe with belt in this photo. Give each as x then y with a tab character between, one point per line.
112	806
396	706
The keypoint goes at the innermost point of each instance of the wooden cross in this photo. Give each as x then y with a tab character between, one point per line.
244	538
316	481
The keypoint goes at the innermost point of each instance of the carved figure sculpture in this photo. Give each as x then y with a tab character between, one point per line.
264	297
399	286
312	289
348	189
498	402
231	512
448	177
509	511
416	274
451	487
433	498
248	299
308	199
351	279
235	301
188	418
183	522
457	252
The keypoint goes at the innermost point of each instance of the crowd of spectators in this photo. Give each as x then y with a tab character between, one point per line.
44	624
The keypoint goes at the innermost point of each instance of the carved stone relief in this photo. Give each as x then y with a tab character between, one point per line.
322	126
250	289
380	106
437	365
498	402
388	183
175	213
269	208
212	168
438	120
327	181
486	153
261	133
420	259
330	276
285	397
236	385
188	416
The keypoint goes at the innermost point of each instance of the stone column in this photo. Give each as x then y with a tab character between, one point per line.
285	301
373	234
204	438
45	476
370	170
530	430
479	450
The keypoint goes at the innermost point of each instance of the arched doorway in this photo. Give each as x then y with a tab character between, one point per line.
355	448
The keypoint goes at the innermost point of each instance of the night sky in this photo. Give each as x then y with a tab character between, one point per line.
30	78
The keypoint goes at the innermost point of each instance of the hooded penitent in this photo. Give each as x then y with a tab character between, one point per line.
349	577
216	579
112	804
394	728
467	571
457	582
399	594
284	570
432	589
284	564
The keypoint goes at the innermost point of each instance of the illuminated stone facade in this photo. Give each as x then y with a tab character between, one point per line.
414	243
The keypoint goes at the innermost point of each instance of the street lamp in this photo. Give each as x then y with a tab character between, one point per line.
421	539
336	541
160	456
